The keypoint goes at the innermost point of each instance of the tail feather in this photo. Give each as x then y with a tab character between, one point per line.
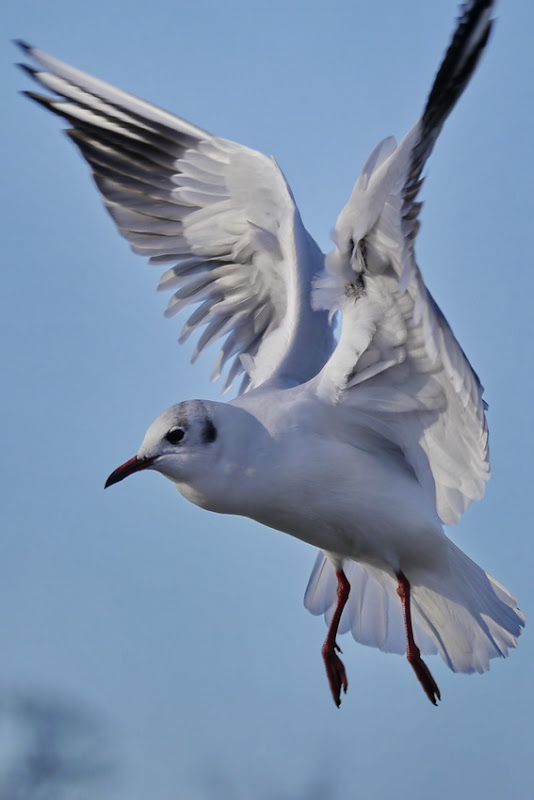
460	612
471	616
373	612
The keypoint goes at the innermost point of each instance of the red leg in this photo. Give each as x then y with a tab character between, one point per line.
413	653
335	670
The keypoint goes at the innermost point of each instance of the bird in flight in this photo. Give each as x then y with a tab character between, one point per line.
362	446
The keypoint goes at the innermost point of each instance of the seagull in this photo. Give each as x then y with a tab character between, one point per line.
363	445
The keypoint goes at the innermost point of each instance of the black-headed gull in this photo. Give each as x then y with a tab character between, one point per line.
364	447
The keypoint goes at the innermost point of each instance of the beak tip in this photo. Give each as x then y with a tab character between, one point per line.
133	465
113	478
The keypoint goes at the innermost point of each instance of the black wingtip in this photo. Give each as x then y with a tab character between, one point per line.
23	45
42	99
459	62
77	136
26	68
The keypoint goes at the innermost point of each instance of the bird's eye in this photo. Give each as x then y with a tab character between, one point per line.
175	435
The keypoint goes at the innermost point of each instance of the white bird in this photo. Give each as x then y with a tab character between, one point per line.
364	447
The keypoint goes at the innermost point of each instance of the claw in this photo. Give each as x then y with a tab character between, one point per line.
413	654
424	677
335	671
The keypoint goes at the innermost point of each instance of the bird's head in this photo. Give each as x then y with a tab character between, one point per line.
180	444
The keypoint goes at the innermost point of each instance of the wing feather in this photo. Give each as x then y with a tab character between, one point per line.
397	354
220	215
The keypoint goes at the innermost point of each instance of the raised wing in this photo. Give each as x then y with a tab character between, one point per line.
397	355
219	215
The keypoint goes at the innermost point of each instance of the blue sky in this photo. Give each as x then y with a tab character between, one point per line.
185	632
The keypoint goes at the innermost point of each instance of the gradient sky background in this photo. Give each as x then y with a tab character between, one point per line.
184	633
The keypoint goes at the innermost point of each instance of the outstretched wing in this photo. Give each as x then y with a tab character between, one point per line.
220	216
397	355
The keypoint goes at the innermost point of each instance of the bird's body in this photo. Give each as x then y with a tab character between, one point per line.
275	448
363	448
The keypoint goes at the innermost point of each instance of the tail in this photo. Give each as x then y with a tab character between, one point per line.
462	613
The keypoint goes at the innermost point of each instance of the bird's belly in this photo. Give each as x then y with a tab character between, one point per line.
374	514
383	537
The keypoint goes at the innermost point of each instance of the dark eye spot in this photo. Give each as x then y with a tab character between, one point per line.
209	432
175	435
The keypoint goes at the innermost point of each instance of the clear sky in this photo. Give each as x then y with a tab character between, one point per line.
183	632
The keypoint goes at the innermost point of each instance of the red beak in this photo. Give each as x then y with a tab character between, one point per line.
128	468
